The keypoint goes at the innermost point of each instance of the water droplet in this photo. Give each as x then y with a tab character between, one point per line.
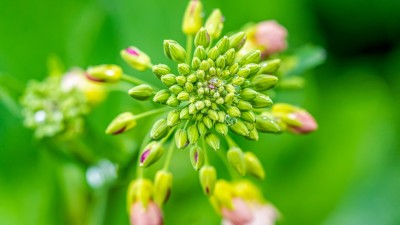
230	120
40	116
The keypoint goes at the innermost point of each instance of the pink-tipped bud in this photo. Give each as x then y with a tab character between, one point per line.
241	214
150	215
272	36
308	123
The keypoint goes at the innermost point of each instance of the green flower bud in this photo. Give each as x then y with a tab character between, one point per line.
208	122
159	130
161	96
151	154
195	63
204	65
233	111
243	105
192	20
196	157
230	88
141	92
270	66
193	134
215	23
253	165
261	101
181	80
183	96
122	123
139	190
174	51
230	56
252	57
220	62
264	82
267	124
237	40
202	38
201	74
192	78
253	135
136	58
248	116
207	103
238	81
212	115
213	141
189	87
236	160
208	178
229	98
244	72
239	128
223	45
183	69
292	83
220	101
161	69
168	79
248	94
254	68
199	105
181	139
200	53
176	89
234	69
162	187
192	109
202	128
221	128
173	101
173	118
249	125
213	53
184	114
104	73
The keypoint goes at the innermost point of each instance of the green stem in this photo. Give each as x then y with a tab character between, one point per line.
189	46
132	80
169	156
205	151
139	169
152	112
228	167
98	208
230	141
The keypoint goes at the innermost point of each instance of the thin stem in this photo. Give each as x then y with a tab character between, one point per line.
228	167
169	156
169	134
152	112
132	80
205	151
189	46
230	141
139	169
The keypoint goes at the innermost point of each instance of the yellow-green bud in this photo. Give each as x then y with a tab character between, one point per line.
192	109
141	92
159	129
183	96
239	128
221	128
236	159
161	96
212	114
139	190
264	82
192	78
173	118
223	45
176	89
252	57
193	20
233	111
189	87
122	123
193	134
243	105
199	105
161	69
208	178
237	40
230	56
223	194
213	141
184	69
249	125
204	65
162	187
136	58
215	23
220	62
202	128
248	116
244	72
196	63
208	122
234	69
221	116
168	79
174	51
253	68
197	157
200	53
184	114
181	80
181	139
248	94
229	98
213	53
267	124
173	101
202	39
253	165
270	66
261	101
253	135
151	154
104	73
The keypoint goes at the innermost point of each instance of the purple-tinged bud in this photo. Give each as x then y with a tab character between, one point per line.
104	73
271	36
136	58
162	187
151	154
196	157
122	123
150	215
208	179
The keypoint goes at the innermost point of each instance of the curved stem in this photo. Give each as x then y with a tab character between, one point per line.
205	151
132	80
169	156
152	112
230	141
189	46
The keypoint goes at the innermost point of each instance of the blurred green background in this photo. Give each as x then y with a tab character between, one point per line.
346	173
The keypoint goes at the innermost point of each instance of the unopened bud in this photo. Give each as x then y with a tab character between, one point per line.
184	69
193	134
159	129
104	73
239	128
212	114
176	89
136	58
267	124
223	45
243	105
208	178
196	157
202	128
173	101
236	159
261	101
161	69
141	92
174	51
253	57
253	68
202	39
139	190
233	111
173	118
184	114
270	66
181	139
151	154
213	53
215	23
161	96
183	96
248	94
213	141
254	166
168	79
122	123
264	82
162	187
248	116
237	40
192	20
253	135
230	56
221	128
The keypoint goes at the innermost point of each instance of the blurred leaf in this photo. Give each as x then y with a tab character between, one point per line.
303	59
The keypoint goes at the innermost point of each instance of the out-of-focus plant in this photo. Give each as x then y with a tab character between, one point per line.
220	91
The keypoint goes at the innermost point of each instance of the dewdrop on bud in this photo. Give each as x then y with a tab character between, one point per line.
174	51
236	160
161	69
267	124
122	123
181	139
136	58
104	73
141	92
162	187
208	178
202	38
264	82
254	166
237	40
192	20
159	129
213	141
261	101
193	134
197	157
151	154
215	24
